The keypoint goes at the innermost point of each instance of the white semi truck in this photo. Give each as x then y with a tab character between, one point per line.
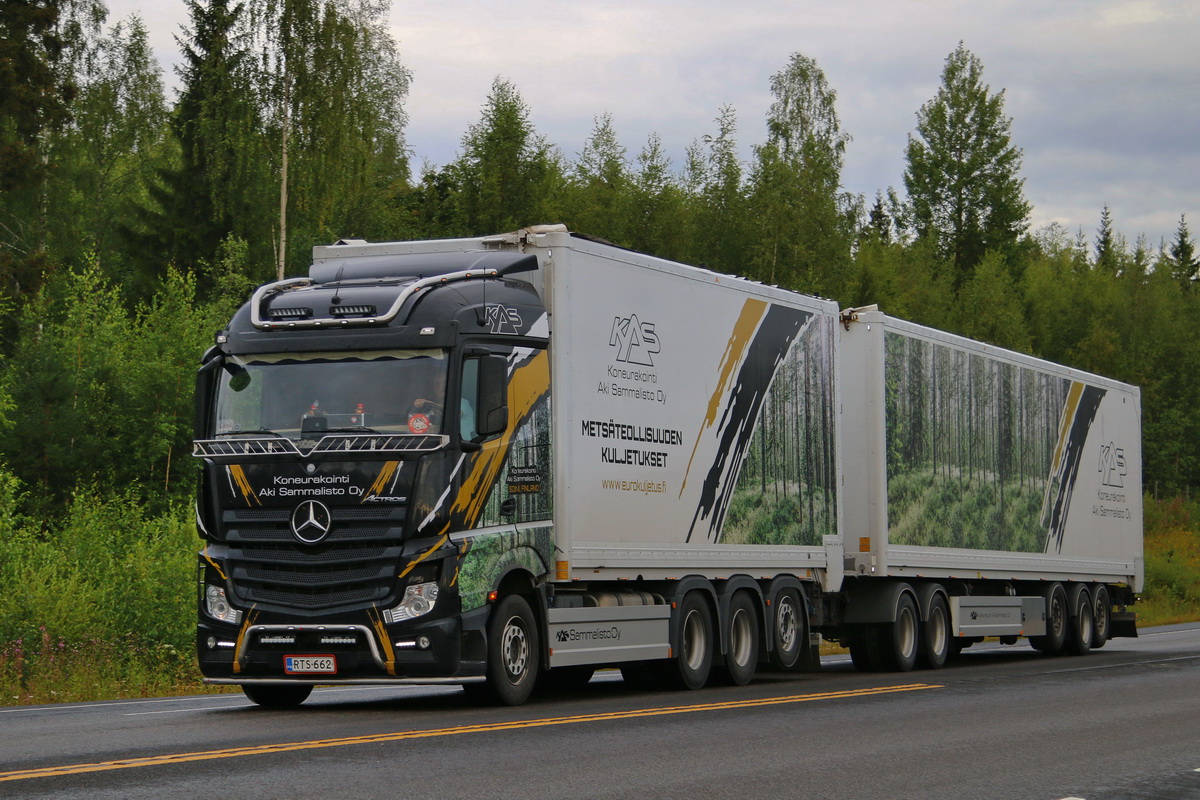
510	460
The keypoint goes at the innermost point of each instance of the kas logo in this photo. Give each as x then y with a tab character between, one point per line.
635	341
502	319
1112	466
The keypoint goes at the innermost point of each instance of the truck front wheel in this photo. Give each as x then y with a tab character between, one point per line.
513	652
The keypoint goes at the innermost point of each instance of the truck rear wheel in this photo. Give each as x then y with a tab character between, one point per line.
1057	622
513	652
791	630
935	634
742	635
277	695
695	653
1079	642
1101	616
899	642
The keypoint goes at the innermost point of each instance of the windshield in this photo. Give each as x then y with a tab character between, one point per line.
305	395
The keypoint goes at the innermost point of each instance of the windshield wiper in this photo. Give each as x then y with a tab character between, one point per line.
258	432
356	429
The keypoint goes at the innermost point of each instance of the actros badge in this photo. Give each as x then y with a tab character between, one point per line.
311	521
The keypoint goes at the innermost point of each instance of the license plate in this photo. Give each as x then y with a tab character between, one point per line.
295	665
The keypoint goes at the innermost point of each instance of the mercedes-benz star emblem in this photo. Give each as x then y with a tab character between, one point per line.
311	521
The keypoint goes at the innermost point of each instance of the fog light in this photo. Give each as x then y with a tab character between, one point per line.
422	642
419	599
212	643
218	606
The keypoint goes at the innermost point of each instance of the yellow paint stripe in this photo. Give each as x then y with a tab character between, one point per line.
425	555
1068	420
735	350
384	639
243	483
287	747
381	481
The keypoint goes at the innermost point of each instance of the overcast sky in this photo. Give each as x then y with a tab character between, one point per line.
1104	94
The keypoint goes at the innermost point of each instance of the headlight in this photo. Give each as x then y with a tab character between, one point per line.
419	599
218	606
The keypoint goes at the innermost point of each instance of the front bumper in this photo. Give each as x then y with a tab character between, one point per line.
432	651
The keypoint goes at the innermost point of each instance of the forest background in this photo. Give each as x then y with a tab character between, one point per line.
132	226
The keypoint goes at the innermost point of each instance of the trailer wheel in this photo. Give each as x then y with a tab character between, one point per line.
899	642
791	630
513	652
1057	622
695	652
861	646
1079	642
1101	616
742	635
277	695
935	634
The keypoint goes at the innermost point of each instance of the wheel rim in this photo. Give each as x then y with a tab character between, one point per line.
740	643
515	649
1058	616
693	640
785	625
1085	625
906	634
938	631
1100	614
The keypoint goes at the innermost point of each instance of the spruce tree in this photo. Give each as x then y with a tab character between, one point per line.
963	170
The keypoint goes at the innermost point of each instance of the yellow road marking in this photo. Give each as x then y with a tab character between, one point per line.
237	752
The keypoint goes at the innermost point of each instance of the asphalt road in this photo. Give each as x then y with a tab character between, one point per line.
999	722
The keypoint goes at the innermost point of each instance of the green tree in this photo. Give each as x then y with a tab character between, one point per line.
802	225
220	184
1107	251
1185	267
656	204
506	171
599	185
35	99
332	87
717	214
962	174
105	158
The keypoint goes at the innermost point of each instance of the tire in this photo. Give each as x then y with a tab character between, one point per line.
741	633
277	695
694	654
1079	637
899	642
790	630
860	650
514	652
1057	623
935	634
1101	616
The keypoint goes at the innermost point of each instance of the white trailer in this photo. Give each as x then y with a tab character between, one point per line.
680	473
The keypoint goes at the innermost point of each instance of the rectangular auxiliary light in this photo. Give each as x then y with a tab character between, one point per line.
351	311
290	313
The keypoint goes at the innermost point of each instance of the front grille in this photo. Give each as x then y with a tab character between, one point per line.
355	564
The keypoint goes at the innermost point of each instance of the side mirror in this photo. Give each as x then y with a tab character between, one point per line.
491	415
